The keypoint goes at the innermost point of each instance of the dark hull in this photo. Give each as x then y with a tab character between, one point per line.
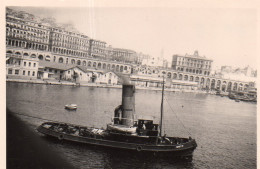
185	149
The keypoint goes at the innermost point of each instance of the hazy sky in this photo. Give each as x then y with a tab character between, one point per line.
228	36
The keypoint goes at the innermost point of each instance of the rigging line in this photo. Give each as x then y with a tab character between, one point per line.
35	117
177	117
45	119
49	119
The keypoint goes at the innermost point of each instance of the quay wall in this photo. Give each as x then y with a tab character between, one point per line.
52	82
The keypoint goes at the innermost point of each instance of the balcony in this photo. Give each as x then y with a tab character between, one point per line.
8	55
13	66
21	57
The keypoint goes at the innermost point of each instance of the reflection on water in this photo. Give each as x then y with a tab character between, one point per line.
225	130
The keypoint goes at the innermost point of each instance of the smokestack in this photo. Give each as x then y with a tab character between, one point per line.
128	104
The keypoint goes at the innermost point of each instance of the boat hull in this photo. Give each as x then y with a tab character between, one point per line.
174	150
71	106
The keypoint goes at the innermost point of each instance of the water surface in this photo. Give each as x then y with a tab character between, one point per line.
225	130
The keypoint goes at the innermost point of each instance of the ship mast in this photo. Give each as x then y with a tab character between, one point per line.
162	109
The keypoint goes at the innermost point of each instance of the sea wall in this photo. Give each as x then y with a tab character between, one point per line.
55	82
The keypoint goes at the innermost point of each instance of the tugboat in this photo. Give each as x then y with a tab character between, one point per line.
125	133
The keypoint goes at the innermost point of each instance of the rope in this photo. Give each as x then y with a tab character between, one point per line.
48	119
43	118
177	117
34	117
56	121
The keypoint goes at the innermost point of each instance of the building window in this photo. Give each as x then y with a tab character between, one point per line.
56	71
10	71
50	70
68	72
29	73
24	72
33	73
24	64
34	64
17	72
29	64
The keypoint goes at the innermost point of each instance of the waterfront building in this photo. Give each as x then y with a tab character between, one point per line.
183	79
155	82
52	70
21	65
83	75
67	61
192	64
38	50
93	63
246	74
75	73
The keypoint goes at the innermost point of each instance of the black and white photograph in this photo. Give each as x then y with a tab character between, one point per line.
118	85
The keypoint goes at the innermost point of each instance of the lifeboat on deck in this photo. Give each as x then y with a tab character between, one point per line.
121	128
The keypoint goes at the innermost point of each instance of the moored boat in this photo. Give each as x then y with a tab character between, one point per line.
143	140
71	106
246	96
125	133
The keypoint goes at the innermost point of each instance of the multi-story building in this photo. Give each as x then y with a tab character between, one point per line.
21	65
124	55
29	41
63	42
192	64
26	34
97	49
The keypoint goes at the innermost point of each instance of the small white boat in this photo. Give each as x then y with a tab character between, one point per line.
71	106
121	128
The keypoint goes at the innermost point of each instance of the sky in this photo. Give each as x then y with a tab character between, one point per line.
228	36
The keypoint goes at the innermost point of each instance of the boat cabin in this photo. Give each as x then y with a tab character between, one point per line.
146	128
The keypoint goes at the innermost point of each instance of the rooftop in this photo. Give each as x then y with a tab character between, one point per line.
195	56
54	65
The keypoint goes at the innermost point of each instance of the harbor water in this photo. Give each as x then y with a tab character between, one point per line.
225	130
